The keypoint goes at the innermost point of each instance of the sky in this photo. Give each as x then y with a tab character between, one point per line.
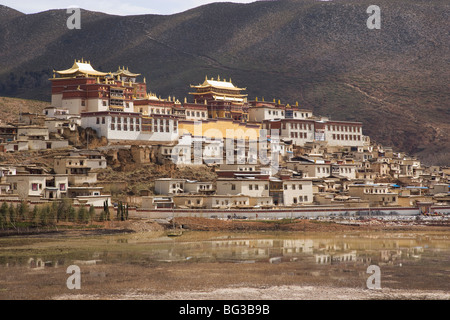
118	7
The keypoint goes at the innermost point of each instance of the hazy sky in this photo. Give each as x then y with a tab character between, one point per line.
119	7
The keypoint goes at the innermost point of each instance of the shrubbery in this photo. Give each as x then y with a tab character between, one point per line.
21	215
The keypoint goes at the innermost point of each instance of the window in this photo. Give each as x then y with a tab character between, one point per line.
103	120
98	121
62	187
250	187
34	186
233	186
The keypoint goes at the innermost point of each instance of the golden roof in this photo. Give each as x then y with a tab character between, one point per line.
218	94
125	73
218	84
83	67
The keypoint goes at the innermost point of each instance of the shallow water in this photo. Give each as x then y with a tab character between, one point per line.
407	260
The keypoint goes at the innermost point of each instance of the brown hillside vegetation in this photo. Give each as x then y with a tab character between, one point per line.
10	108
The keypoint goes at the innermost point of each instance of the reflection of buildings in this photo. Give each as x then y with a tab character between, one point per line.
321	251
39	263
336	258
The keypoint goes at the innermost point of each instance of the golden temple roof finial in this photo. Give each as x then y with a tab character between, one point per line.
256	99
185	100
296	103
263	99
279	101
145	80
218	78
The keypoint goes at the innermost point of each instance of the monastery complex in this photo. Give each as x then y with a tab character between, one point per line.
266	154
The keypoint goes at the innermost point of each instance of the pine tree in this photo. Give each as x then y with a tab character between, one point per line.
72	214
3	214
22	210
102	215
35	216
82	214
12	213
53	213
64	209
91	214
106	209
44	215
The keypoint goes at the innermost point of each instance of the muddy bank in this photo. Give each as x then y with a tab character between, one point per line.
98	229
205	224
179	224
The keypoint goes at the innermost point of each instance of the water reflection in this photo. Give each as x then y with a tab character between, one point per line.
321	250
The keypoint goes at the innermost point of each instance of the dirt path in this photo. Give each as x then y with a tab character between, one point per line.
275	293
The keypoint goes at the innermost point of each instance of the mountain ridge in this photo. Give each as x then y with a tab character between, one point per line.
321	54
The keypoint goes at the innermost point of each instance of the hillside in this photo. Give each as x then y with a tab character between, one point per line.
11	107
321	54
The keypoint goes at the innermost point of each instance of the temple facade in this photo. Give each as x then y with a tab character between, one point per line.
81	88
118	107
223	99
